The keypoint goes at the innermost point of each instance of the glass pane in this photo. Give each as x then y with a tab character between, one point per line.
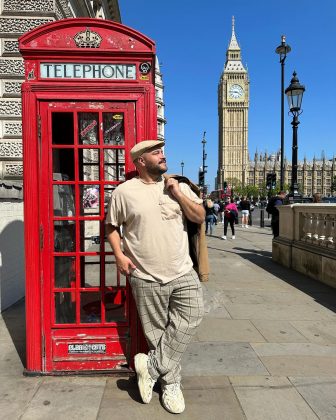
114	164
113	126
88	128
64	236
90	307
65	271
115	306
89	199
90	236
64	200
112	277
90	271
65	308
88	164
62	128
108	190
63	165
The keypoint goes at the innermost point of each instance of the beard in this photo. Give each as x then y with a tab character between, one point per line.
156	169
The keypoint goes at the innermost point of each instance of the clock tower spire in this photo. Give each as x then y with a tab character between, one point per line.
233	105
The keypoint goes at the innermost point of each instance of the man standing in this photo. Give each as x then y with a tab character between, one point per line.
155	254
274	212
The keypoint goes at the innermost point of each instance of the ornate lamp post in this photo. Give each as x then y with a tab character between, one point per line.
204	167
283	49
294	94
182	166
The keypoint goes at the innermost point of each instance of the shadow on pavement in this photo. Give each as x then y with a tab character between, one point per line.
130	386
322	293
15	320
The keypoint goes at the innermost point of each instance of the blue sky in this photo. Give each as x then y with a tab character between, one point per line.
192	38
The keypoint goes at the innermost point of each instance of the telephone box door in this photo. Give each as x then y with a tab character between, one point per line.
88	321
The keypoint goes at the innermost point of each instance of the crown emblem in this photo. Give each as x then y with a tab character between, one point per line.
87	39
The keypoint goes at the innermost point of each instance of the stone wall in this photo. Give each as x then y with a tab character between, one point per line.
307	240
11	252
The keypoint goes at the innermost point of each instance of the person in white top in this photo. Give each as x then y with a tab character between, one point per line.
155	256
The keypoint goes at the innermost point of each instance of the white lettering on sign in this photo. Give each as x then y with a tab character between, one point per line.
87	71
98	348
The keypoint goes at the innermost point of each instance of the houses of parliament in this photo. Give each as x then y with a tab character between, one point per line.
234	165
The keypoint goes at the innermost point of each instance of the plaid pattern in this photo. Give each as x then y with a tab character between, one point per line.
169	315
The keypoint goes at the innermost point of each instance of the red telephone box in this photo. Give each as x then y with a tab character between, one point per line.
88	97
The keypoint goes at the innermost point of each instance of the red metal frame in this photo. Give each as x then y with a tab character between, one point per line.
48	343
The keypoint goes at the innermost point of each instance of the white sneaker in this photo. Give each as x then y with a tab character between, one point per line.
172	398
246	226
243	226
224	237
145	381
233	237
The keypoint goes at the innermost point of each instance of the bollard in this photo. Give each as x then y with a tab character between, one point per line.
262	218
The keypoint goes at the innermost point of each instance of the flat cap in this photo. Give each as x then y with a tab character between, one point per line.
143	146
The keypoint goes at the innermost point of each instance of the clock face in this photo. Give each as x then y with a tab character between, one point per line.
236	91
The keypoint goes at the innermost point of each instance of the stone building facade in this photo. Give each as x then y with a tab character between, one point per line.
315	176
161	121
234	164
16	18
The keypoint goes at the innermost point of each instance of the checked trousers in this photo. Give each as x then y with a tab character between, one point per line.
170	314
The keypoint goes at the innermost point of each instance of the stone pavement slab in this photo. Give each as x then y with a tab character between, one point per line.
293	349
282	311
16	392
266	296
319	392
268	398
212	358
279	331
76	398
321	332
300	365
226	330
206	398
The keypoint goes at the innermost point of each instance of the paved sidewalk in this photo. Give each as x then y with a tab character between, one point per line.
265	350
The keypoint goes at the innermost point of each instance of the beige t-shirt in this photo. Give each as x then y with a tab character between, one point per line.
155	236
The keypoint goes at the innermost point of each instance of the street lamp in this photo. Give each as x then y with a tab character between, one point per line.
204	156
182	166
294	94
283	49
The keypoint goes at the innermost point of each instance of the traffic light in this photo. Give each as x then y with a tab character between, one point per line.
201	178
269	181
225	186
273	181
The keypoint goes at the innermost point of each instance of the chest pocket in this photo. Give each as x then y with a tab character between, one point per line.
169	208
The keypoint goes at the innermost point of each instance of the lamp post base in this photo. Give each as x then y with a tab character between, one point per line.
294	196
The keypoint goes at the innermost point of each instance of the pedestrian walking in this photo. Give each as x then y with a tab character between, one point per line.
210	216
155	254
221	210
245	209
216	207
230	216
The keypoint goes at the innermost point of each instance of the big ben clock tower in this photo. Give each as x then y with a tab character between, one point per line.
233	104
